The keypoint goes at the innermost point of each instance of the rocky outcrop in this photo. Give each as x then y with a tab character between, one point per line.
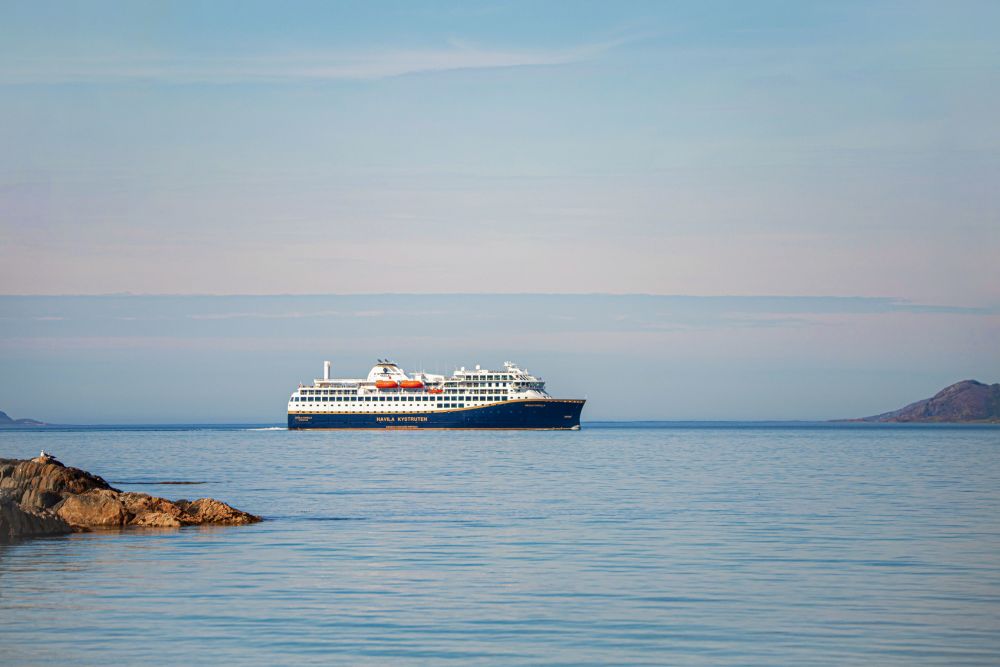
15	521
44	497
43	482
967	401
208	510
98	508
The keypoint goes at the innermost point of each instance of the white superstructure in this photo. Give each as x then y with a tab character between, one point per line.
389	389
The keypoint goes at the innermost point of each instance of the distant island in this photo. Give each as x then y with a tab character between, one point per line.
5	420
968	401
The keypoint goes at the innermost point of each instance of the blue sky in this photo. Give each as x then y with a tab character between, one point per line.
711	149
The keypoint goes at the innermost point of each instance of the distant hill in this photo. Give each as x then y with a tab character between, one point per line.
965	401
5	420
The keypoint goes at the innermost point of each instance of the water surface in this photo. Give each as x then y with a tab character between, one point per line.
734	544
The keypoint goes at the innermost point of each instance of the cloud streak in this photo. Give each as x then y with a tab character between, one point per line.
292	68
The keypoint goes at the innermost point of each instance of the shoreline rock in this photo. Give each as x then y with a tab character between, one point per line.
41	496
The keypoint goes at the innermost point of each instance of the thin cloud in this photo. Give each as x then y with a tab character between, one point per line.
336	66
266	316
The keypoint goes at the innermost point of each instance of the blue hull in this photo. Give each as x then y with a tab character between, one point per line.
537	414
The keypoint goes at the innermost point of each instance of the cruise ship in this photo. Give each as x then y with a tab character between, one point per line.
388	398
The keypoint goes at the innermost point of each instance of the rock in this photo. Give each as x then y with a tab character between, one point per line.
208	510
42	496
97	508
16	521
139	504
156	520
29	481
40	499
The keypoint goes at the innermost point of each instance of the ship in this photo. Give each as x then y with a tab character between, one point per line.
389	398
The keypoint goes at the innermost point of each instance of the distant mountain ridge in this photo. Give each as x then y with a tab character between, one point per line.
5	420
965	401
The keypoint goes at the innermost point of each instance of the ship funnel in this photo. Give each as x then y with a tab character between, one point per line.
326	370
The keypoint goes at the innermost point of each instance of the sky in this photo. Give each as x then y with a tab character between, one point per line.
236	359
710	156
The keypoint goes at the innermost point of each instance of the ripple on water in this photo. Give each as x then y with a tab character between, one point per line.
606	546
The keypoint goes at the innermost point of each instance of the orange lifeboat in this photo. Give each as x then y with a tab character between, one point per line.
435	391
386	384
411	384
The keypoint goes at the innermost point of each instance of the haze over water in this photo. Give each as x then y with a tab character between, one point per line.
736	544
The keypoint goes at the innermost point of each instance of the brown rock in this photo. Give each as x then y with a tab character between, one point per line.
140	504
97	508
16	521
208	510
46	497
156	520
28	482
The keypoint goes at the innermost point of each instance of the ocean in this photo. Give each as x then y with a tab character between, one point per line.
659	544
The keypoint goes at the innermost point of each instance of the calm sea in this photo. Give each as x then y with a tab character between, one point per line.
720	544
